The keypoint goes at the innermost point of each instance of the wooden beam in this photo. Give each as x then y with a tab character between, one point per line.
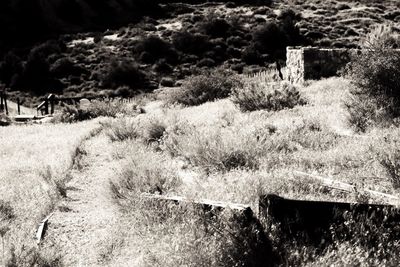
42	229
331	183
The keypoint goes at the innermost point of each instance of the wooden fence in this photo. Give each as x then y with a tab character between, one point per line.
48	104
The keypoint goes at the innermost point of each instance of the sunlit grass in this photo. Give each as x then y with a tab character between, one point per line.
35	159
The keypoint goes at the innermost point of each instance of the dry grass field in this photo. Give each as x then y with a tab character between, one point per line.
212	151
222	127
35	164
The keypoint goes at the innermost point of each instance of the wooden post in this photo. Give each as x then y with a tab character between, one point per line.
51	99
46	107
5	102
18	106
1	101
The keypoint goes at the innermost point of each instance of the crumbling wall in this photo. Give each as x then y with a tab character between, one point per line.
310	63
295	65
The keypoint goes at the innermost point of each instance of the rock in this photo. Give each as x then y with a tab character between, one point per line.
84	104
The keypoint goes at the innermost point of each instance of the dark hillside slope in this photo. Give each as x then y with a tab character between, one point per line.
24	21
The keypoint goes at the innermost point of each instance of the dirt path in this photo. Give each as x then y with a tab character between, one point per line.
81	226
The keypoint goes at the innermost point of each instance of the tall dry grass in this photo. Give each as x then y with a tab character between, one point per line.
35	160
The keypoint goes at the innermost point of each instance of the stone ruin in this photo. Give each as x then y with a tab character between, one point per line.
311	63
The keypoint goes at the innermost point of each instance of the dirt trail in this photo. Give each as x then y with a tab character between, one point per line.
82	224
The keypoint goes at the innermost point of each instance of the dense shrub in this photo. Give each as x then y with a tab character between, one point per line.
273	37
269	96
190	43
64	67
375	72
156	49
205	87
123	72
270	39
36	75
10	68
215	27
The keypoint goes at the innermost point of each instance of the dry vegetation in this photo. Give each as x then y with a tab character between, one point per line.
218	135
35	161
215	151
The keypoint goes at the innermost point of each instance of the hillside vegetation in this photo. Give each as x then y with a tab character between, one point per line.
180	40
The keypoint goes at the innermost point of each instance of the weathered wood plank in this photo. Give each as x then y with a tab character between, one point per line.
42	229
331	183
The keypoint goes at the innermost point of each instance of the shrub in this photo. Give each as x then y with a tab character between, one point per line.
121	130
375	72
10	68
388	154
270	39
144	171
268	96
64	67
273	37
382	35
217	149
187	42
155	49
96	109
4	120
123	73
154	131
36	75
204	87
215	27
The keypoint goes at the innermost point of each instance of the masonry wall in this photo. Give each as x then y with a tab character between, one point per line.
310	63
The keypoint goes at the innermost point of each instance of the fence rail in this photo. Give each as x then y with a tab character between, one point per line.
47	106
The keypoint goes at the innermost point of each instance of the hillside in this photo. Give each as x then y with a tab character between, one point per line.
178	41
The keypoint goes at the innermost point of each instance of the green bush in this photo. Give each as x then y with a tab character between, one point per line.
266	96
205	87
